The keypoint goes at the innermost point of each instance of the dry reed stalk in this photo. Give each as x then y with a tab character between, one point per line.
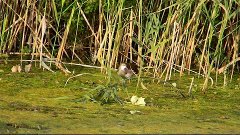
118	38
44	27
204	50
204	25
75	39
110	39
101	50
140	24
139	59
191	48
63	43
131	35
174	50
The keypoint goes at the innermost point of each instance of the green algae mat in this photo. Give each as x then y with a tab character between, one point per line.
39	102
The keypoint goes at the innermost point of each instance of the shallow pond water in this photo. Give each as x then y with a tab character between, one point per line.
38	102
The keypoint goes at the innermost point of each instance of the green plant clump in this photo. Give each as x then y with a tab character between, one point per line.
104	94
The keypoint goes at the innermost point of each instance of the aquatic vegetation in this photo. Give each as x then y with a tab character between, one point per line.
55	53
104	94
39	102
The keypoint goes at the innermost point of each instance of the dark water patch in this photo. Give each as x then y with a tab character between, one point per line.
18	106
5	129
27	126
21	106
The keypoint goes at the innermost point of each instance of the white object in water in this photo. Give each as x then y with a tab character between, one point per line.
138	101
27	68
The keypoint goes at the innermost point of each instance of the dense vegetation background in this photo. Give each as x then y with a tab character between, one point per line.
158	36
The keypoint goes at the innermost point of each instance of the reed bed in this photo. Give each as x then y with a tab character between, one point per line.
159	37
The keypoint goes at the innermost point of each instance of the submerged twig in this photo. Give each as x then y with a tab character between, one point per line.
75	76
222	69
83	65
46	67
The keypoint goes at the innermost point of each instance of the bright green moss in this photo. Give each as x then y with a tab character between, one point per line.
38	102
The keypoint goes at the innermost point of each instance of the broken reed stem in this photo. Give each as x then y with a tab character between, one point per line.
190	88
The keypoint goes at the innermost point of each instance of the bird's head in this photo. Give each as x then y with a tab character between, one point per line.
123	67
